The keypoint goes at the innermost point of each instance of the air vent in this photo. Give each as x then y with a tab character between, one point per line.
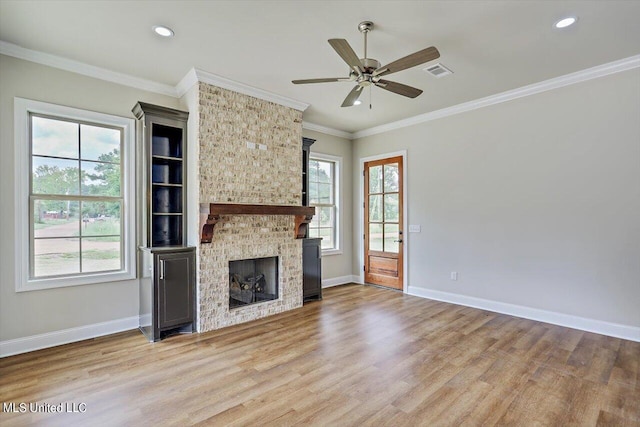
438	70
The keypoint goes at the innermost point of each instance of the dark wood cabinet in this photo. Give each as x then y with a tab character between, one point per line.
311	269
167	291
311	247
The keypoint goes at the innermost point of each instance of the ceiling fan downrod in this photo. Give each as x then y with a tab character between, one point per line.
364	27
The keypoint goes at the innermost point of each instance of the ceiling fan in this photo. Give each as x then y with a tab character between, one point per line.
367	71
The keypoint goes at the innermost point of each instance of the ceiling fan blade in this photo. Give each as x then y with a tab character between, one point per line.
352	97
399	88
342	47
327	80
417	58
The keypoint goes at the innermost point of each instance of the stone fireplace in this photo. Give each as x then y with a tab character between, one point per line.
233	169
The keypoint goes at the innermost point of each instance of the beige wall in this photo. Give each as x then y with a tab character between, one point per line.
37	312
340	265
534	202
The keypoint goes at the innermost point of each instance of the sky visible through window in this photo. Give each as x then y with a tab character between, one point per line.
76	197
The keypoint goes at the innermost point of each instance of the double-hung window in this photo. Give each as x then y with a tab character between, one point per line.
75	198
324	178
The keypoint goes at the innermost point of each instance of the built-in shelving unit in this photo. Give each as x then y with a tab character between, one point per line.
167	272
306	149
162	152
311	248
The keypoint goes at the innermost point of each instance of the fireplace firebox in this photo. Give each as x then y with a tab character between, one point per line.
252	281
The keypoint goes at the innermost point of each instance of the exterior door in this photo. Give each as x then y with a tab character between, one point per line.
383	222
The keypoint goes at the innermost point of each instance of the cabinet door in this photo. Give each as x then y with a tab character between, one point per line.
175	289
311	269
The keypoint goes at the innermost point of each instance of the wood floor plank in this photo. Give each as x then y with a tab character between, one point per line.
363	356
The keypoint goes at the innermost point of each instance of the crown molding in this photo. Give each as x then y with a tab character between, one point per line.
223	82
327	130
77	67
532	89
187	82
194	75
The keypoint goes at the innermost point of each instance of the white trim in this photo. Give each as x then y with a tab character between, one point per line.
65	336
617	330
22	108
84	69
337	161
331	252
223	82
187	82
405	221
194	75
327	130
342	280
532	89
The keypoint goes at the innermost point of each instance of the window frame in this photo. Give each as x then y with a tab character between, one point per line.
337	200
24	109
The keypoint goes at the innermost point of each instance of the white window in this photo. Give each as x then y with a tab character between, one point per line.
324	179
74	201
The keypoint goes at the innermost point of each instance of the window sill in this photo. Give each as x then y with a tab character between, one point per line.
64	282
330	252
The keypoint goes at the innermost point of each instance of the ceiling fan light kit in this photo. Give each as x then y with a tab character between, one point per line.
367	72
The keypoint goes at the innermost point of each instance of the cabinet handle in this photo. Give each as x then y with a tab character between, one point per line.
161	269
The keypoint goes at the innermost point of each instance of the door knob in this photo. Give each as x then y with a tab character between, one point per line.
398	241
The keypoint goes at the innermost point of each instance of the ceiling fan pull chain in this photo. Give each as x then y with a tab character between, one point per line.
370	102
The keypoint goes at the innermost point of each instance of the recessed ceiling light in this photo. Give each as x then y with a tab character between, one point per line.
565	22
163	31
357	102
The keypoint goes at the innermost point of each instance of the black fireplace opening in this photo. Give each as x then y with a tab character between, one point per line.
252	281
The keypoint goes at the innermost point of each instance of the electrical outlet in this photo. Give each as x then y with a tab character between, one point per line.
454	275
262	146
251	145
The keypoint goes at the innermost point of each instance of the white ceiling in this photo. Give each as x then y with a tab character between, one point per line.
492	46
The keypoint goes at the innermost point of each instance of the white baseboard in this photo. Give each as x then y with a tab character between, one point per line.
342	280
65	336
617	330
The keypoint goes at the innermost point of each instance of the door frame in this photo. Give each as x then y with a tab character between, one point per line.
360	207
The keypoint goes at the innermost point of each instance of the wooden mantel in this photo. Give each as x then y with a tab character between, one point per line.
210	215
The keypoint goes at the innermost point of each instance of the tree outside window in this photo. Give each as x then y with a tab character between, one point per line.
76	197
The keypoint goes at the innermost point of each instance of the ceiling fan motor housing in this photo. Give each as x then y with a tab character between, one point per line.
369	65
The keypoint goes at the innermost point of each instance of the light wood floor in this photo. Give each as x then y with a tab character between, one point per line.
363	356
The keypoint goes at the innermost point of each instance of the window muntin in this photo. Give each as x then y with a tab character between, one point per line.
76	200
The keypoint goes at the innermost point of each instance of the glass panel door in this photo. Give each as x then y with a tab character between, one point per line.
383	222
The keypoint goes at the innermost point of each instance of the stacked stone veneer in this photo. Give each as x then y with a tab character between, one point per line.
230	172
